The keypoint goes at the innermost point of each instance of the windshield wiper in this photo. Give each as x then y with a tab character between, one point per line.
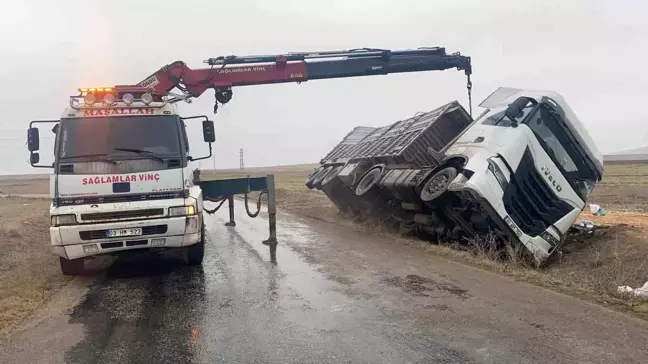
94	158
142	152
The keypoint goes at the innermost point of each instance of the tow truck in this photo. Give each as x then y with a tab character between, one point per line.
121	176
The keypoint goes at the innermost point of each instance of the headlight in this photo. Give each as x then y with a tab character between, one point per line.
60	220
182	210
497	172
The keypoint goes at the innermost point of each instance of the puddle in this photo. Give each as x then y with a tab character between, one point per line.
422	286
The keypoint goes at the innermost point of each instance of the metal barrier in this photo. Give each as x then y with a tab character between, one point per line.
221	190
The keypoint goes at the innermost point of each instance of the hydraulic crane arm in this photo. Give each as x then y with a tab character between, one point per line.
227	72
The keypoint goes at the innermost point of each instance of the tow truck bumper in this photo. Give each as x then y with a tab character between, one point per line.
86	240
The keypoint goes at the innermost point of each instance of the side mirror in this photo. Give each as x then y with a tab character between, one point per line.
209	134
34	158
33	141
514	110
55	128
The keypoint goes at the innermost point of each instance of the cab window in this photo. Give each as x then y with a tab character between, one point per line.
500	118
558	142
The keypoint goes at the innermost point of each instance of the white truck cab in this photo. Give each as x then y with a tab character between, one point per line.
121	179
530	164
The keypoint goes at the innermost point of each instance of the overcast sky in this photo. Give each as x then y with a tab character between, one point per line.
592	52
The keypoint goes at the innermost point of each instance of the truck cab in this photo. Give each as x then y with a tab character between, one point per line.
530	164
121	179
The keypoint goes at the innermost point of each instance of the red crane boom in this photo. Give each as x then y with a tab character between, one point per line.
227	72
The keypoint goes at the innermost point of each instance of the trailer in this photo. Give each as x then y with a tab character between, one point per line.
380	169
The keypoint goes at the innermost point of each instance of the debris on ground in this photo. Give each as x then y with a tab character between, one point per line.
586	228
587	224
596	210
638	292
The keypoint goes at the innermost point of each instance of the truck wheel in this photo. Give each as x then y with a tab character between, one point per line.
368	180
331	175
311	178
71	267
317	181
438	184
196	252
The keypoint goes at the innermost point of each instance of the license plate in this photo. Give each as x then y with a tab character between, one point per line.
123	232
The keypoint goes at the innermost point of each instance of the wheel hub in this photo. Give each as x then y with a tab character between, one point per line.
438	184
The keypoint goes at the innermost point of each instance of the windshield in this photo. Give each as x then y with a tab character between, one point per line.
560	144
500	118
151	136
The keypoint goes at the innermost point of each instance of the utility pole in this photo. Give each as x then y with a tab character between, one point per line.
241	165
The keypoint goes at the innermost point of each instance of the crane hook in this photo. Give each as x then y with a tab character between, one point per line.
223	96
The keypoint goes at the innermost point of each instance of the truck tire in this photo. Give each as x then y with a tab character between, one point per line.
311	177
71	267
438	184
196	252
317	181
368	180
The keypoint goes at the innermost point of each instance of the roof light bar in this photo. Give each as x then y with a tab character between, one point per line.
127	96
84	90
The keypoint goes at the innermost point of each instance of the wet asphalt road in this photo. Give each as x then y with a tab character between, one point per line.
237	308
333	296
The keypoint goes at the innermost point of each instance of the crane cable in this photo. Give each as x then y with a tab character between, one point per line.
469	87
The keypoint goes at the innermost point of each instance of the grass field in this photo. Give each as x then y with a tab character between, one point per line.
590	267
624	188
29	273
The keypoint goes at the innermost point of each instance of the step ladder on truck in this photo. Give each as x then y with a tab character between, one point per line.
121	178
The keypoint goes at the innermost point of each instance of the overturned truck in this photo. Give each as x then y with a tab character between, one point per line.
521	172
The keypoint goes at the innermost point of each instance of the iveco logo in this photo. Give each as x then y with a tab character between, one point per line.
545	170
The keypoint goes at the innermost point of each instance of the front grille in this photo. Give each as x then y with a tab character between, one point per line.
101	234
122	215
117	244
529	200
136	242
